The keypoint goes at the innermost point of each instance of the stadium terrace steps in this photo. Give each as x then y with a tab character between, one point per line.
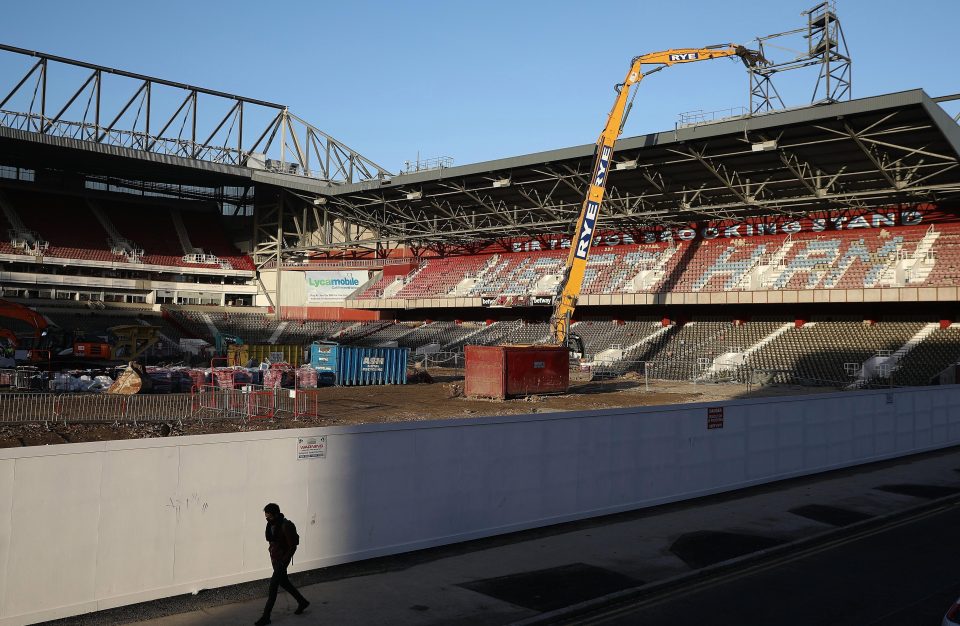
826	352
211	326
880	366
183	236
278	331
928	358
373	288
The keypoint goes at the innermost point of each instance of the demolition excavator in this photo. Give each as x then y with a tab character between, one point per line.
130	342
586	226
13	311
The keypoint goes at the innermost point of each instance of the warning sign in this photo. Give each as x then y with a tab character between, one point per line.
714	417
312	447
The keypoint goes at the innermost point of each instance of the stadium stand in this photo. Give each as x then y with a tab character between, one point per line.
438	277
834	351
830	352
65	222
151	229
852	259
73	230
377	288
919	366
208	234
306	331
192	323
601	335
6	247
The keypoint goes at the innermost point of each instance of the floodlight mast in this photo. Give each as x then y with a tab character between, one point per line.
572	281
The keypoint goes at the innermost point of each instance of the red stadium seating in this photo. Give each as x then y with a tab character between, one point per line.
66	222
207	233
848	259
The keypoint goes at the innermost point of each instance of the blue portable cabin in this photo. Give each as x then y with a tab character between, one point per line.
355	365
323	356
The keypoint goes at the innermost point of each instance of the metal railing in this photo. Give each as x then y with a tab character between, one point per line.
449	363
245	402
19	408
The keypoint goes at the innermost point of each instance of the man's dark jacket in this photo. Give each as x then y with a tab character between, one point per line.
282	542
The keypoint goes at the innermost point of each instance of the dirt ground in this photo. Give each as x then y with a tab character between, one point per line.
408	403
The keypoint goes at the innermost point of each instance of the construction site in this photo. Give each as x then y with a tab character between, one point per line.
206	268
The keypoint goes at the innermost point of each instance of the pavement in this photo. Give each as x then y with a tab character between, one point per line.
539	575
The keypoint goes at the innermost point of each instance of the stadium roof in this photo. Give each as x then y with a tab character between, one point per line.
864	153
126	124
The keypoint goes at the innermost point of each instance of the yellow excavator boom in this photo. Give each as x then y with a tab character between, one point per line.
586	227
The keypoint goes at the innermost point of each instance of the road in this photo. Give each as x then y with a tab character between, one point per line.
906	573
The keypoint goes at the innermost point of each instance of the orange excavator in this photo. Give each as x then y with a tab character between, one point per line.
12	310
135	339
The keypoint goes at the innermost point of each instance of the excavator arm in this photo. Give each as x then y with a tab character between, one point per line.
12	310
586	227
8	335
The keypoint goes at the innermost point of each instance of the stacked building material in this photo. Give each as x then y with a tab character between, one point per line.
161	378
306	377
224	377
279	375
198	378
241	376
180	379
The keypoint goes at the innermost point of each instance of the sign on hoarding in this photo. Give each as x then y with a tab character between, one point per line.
333	285
714	417
311	447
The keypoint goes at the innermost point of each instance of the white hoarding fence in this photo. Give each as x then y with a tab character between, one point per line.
194	501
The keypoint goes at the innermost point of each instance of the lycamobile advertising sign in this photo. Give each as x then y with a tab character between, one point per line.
326	286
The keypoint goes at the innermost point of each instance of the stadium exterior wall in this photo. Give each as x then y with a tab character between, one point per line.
97	525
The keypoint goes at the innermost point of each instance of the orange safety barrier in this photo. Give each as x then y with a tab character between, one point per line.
261	404
306	403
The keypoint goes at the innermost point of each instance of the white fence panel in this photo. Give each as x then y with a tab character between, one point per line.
97	525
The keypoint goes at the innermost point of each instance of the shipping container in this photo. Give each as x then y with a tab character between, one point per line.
240	355
508	371
361	366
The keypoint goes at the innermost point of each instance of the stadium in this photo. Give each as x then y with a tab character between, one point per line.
220	239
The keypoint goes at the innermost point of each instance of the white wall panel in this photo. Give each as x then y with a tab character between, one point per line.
54	533
138	520
96	525
273	474
6	521
209	505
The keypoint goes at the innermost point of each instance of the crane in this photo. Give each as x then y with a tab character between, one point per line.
572	279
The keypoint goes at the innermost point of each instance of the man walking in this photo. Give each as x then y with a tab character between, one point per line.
283	540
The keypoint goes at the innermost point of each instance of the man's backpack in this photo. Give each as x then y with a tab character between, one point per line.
293	532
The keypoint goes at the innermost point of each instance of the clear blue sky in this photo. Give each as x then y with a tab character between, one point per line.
476	80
